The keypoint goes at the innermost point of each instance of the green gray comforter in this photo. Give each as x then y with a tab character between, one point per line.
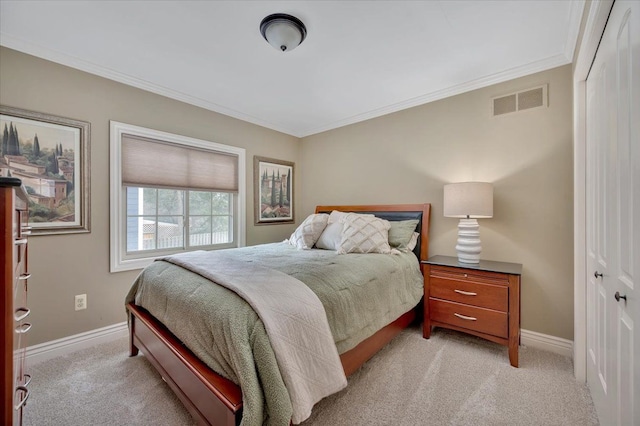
361	293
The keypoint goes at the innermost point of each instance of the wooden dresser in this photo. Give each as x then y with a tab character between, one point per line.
15	321
480	299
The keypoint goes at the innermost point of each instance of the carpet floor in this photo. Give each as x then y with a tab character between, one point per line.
450	379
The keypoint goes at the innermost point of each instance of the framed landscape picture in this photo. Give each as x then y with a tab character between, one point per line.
50	155
273	190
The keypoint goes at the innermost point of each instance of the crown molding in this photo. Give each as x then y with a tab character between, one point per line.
23	46
500	77
76	63
575	18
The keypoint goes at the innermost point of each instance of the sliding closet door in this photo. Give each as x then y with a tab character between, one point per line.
613	219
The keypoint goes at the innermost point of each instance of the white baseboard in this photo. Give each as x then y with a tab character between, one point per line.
67	345
546	342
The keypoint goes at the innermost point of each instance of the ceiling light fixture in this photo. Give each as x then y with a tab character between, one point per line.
282	31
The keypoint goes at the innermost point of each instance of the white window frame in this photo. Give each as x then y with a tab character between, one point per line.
119	260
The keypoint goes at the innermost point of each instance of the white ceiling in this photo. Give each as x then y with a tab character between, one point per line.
361	59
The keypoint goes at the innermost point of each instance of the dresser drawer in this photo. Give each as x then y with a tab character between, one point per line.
470	317
470	292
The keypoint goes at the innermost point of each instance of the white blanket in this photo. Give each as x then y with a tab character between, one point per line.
293	317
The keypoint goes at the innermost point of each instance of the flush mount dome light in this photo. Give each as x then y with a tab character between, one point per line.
282	31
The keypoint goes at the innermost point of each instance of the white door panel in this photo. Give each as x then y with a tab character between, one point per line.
601	341
625	365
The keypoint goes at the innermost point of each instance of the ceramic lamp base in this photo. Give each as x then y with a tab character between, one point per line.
468	246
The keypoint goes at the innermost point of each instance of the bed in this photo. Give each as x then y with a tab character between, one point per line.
211	396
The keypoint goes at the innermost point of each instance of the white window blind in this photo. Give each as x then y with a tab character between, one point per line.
154	163
170	194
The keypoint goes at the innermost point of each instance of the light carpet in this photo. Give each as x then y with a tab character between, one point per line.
450	379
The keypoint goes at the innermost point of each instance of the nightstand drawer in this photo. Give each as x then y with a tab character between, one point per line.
470	275
469	317
488	296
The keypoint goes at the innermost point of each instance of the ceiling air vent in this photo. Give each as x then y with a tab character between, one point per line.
520	101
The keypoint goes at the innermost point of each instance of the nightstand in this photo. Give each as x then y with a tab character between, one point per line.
481	299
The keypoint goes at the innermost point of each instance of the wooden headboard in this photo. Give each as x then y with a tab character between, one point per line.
393	212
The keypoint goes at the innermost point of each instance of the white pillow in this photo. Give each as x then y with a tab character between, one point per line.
336	216
364	234
331	236
306	235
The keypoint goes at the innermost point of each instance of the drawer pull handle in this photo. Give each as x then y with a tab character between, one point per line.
25	232
464	317
27	379
24	276
465	293
24	398
21	313
21	241
23	328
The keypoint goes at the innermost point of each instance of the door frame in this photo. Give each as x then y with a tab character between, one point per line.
596	19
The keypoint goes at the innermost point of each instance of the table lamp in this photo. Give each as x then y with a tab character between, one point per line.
468	201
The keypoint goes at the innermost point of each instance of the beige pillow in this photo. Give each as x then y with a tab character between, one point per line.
364	234
306	235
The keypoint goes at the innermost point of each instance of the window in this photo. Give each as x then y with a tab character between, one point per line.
156	219
171	194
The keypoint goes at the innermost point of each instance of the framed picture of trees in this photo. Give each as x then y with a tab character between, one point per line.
50	155
273	190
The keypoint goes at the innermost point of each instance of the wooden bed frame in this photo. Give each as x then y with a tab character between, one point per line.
210	398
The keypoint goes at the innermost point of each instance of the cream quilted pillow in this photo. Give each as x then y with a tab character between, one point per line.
339	217
332	235
306	235
364	234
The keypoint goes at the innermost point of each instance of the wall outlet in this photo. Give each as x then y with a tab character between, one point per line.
81	302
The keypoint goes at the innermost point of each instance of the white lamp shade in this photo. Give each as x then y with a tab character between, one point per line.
283	35
468	200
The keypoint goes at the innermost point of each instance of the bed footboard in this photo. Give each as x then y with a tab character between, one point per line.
210	398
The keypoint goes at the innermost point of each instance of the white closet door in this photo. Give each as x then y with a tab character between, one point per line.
613	219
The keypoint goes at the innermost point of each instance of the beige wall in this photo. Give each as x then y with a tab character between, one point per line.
66	265
404	157
408	156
